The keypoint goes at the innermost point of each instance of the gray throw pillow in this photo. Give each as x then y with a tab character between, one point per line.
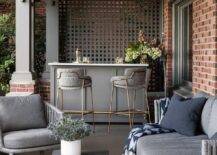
184	116
214	137
20	113
212	129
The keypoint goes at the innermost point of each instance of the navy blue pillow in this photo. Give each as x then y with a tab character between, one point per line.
184	116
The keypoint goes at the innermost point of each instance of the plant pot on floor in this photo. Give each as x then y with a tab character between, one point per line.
71	147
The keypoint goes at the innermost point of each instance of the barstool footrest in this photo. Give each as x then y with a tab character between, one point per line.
85	112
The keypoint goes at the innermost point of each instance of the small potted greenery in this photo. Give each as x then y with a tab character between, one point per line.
70	132
143	51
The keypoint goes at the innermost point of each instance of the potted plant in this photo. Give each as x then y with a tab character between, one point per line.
143	51
70	132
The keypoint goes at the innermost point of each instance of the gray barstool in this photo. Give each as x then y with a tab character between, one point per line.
74	79
133	79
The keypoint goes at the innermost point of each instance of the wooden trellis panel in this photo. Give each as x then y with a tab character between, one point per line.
102	29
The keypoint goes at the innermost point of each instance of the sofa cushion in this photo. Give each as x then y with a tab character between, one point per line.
28	138
214	137
201	94
212	129
20	113
206	113
184	116
170	144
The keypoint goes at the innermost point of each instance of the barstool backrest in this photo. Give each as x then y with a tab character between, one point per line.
138	76
70	77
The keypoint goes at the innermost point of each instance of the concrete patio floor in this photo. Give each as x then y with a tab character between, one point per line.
101	141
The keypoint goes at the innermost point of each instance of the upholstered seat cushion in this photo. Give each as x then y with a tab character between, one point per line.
28	138
170	144
21	113
206	114
87	83
212	128
119	80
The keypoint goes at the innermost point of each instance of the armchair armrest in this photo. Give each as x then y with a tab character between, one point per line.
1	139
52	113
209	147
160	107
157	111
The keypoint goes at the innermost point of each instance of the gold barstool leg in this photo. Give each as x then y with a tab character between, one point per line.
147	105
61	99
110	108
128	104
91	91
134	99
82	100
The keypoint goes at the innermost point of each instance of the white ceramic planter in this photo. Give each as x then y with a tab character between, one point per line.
71	147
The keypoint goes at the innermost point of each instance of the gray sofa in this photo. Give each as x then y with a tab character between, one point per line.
24	122
177	144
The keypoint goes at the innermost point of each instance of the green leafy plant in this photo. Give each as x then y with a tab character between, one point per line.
142	51
40	40
69	130
7	50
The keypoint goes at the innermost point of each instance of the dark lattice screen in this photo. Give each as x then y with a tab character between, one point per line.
102	29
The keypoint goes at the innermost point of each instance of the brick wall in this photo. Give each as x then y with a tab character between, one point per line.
167	29
43	88
205	46
22	88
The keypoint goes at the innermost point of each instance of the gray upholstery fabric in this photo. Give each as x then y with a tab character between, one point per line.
28	138
20	113
135	77
205	118
170	144
70	77
214	137
212	129
201	94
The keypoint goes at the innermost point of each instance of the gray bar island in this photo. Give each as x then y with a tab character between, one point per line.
101	75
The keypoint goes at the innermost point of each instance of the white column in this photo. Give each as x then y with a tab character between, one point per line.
22	75
52	35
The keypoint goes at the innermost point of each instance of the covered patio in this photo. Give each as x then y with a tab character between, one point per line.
100	32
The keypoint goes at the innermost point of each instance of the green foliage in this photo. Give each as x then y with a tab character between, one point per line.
136	51
7	50
40	47
142	49
69	130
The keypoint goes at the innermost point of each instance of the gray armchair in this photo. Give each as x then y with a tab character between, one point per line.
24	123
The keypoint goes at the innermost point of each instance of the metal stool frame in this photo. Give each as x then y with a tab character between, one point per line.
130	111
82	88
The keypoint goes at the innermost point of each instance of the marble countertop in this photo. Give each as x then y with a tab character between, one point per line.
96	65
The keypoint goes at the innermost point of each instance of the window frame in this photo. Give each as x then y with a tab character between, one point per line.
179	41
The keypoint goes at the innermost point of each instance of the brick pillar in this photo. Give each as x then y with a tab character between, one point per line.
167	29
205	46
43	88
